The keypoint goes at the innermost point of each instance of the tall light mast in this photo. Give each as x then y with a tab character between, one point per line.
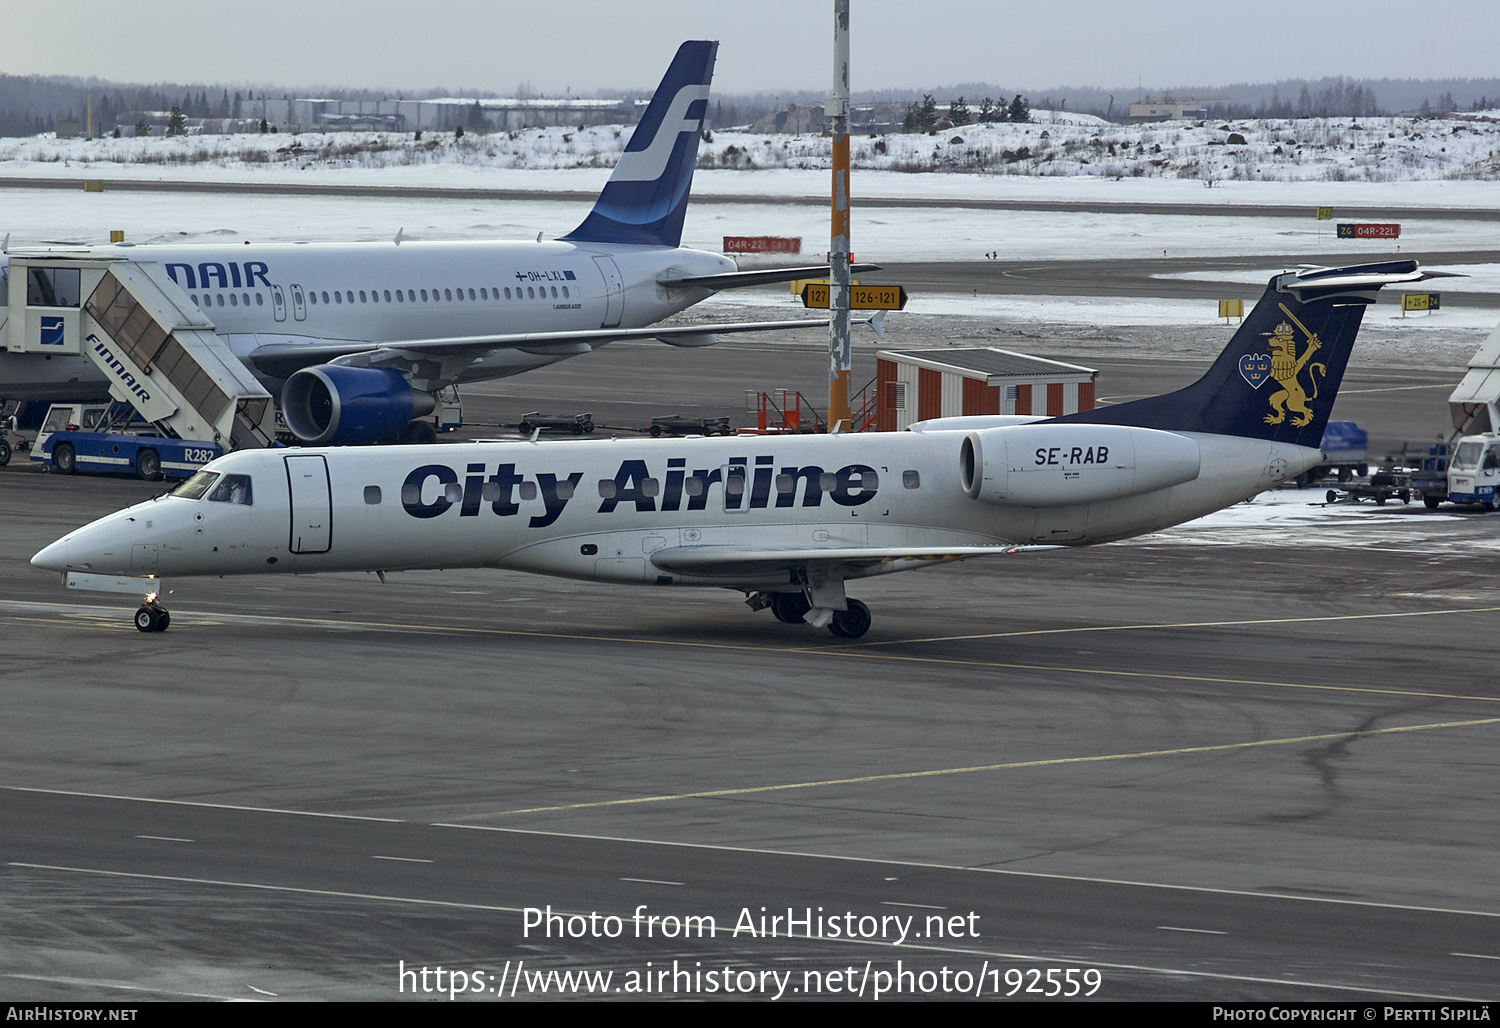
837	110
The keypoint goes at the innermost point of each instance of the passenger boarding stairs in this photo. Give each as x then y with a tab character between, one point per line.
161	356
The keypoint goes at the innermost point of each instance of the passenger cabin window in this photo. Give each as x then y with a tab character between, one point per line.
372	495
232	489
911	480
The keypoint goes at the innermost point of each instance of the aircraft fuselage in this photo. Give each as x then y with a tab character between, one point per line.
260	295
601	509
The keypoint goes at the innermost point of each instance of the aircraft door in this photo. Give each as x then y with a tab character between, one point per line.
299	303
278	303
736	478
614	291
311	505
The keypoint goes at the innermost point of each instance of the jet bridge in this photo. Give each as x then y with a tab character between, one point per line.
159	352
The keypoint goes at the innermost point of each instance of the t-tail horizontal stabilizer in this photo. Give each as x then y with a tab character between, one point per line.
1279	375
646	196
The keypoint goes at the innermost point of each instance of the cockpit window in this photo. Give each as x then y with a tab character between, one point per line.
233	489
195	487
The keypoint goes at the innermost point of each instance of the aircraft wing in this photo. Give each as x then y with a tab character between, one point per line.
280	360
741	279
739	561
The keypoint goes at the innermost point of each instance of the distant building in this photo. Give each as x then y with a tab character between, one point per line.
67	128
1171	108
797	119
440	114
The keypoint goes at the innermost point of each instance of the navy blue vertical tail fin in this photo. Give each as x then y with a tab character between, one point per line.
1279	375
646	196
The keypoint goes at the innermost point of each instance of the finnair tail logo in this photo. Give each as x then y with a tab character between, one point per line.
647	165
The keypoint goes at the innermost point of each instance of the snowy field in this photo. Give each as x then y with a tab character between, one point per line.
34	216
1452	149
1389	162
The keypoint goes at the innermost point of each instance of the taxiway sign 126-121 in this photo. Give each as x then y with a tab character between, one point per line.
357	338
785	520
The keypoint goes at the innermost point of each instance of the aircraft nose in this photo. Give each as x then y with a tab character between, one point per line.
52	558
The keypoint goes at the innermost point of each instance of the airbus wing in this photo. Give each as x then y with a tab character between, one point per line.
283	360
743	279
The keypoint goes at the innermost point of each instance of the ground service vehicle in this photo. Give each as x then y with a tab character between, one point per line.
112	437
1474	470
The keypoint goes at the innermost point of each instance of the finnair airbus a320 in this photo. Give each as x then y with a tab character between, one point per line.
357	338
785	520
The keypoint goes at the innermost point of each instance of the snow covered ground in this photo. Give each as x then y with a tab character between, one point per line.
1452	148
34	216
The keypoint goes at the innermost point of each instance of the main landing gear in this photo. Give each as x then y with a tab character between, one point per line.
152	618
796	609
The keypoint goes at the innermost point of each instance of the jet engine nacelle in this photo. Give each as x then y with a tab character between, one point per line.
1051	465
333	405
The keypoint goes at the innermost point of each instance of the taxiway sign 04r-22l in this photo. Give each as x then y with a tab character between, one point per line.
785	520
357	338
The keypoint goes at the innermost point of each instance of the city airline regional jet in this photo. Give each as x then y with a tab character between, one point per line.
785	520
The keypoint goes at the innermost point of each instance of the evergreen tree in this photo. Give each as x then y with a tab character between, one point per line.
988	112
927	114
177	123
1020	110
958	112
141	128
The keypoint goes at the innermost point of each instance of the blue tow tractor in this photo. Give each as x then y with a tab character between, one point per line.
111	437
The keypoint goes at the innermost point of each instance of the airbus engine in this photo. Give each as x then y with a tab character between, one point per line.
333	405
1052	465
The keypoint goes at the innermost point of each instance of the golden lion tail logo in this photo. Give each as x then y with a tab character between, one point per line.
1286	366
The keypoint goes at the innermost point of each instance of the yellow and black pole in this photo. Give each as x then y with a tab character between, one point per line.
839	356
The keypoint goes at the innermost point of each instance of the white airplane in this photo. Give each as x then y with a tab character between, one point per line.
357	338
785	520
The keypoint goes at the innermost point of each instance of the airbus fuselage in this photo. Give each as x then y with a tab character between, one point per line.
290	294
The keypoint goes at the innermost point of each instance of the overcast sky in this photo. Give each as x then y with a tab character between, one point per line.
766	45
